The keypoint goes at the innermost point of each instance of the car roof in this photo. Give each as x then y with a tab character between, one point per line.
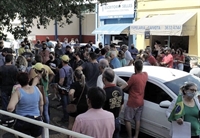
161	74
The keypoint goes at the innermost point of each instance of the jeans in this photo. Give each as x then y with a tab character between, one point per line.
16	51
64	102
5	98
117	128
180	66
46	111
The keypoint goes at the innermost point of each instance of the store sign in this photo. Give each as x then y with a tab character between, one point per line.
147	34
157	27
120	9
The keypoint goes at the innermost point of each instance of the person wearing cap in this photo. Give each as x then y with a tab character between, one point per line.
42	81
65	80
167	60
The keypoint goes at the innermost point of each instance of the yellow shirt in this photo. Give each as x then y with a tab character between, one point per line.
21	51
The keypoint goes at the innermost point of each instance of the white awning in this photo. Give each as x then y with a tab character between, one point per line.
180	24
113	29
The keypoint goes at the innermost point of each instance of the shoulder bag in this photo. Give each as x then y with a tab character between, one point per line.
72	108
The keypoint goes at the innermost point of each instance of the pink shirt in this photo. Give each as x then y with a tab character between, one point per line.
168	59
96	123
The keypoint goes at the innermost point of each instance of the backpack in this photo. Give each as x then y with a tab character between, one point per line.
68	77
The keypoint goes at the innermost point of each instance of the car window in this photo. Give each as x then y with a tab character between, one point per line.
175	85
155	94
126	79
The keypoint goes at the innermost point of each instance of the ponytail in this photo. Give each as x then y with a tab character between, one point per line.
80	76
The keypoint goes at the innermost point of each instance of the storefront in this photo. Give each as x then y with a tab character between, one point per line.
168	26
175	25
114	20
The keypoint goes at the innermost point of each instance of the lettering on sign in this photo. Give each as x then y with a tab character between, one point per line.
166	27
173	27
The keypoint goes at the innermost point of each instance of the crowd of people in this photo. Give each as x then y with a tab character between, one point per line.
90	93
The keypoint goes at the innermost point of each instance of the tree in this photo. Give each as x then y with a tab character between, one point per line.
42	10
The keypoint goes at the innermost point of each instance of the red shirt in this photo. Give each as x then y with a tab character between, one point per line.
180	57
152	60
168	59
136	86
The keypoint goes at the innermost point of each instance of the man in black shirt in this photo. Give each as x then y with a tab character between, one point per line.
114	98
8	75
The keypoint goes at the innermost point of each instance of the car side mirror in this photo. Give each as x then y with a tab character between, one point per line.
165	104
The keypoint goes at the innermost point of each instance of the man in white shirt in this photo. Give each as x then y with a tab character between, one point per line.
103	63
127	55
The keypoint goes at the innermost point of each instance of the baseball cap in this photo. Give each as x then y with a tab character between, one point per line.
65	58
38	66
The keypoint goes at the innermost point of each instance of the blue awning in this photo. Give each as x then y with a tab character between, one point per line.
113	29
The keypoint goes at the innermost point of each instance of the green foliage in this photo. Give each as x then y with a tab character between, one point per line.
42	10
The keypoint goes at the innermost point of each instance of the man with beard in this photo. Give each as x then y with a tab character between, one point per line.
44	53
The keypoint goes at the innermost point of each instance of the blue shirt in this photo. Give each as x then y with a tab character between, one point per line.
100	57
115	63
28	103
133	52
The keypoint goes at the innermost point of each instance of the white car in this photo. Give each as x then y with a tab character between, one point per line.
162	87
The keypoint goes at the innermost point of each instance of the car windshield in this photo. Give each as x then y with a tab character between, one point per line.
175	85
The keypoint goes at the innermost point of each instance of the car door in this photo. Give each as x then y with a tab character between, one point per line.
154	120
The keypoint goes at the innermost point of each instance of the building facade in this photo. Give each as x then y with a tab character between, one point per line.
190	42
81	30
113	22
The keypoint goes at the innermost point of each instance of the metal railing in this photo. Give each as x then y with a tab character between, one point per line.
39	123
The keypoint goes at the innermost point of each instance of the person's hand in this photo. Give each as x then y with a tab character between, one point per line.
179	121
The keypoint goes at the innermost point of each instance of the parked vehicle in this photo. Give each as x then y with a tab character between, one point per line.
162	87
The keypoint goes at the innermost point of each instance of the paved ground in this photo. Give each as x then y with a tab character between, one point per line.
55	115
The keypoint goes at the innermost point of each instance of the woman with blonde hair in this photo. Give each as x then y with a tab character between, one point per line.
77	96
21	64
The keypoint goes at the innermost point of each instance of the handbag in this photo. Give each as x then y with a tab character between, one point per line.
72	108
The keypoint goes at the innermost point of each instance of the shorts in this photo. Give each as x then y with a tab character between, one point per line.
28	128
80	109
131	113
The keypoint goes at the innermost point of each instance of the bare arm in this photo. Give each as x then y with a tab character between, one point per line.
41	102
131	62
80	68
121	83
35	81
71	94
61	81
13	101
